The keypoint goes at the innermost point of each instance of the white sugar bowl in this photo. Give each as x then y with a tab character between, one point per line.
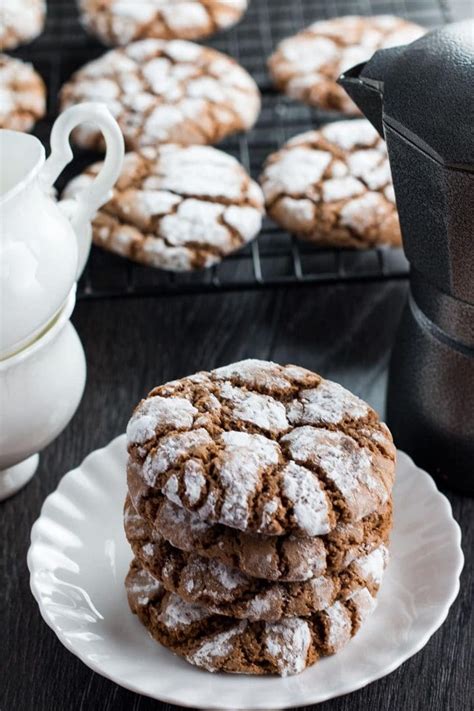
40	390
44	244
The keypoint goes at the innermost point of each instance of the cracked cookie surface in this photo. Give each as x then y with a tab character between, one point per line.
218	643
285	558
22	94
165	92
177	208
307	65
20	21
262	448
123	21
227	591
333	187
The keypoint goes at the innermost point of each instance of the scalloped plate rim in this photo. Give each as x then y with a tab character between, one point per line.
35	538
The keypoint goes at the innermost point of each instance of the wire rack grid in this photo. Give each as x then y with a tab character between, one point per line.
275	258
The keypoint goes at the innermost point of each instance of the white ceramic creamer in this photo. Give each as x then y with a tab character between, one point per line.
44	244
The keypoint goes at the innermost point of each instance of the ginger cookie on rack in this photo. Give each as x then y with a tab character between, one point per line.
307	65
165	92
262	448
227	591
22	94
176	207
20	21
118	22
219	643
333	187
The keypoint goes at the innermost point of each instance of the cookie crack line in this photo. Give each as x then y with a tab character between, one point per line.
166	102
346	428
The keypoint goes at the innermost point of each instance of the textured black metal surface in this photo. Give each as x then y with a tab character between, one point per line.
275	258
436	209
430	402
427	92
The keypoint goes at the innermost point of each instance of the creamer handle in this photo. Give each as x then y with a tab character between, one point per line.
83	208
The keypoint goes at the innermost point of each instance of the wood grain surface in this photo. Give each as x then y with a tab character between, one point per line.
343	332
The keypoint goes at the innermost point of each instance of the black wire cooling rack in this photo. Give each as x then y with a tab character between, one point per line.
275	258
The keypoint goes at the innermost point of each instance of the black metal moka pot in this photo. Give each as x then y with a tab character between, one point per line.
420	97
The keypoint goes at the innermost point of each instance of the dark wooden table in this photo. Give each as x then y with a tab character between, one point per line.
344	332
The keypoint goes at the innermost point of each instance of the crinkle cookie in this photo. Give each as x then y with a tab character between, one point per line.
218	643
123	21
22	94
307	65
165	92
334	187
262	448
20	21
285	558
227	591
178	208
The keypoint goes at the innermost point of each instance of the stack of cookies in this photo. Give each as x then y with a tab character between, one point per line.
258	511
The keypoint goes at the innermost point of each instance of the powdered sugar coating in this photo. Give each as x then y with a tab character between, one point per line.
20	21
218	647
362	212
178	517
200	579
288	642
271	450
169	451
194	481
158	413
350	135
144	587
176	207
262	375
334	186
187	94
295	171
22	94
364	602
122	21
310	505
307	65
244	457
372	566
343	462
339	626
227	577
256	409
329	403
178	613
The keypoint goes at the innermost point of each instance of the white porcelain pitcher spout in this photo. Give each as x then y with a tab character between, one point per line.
44	244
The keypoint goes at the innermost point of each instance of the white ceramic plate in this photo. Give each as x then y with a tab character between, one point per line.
79	557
